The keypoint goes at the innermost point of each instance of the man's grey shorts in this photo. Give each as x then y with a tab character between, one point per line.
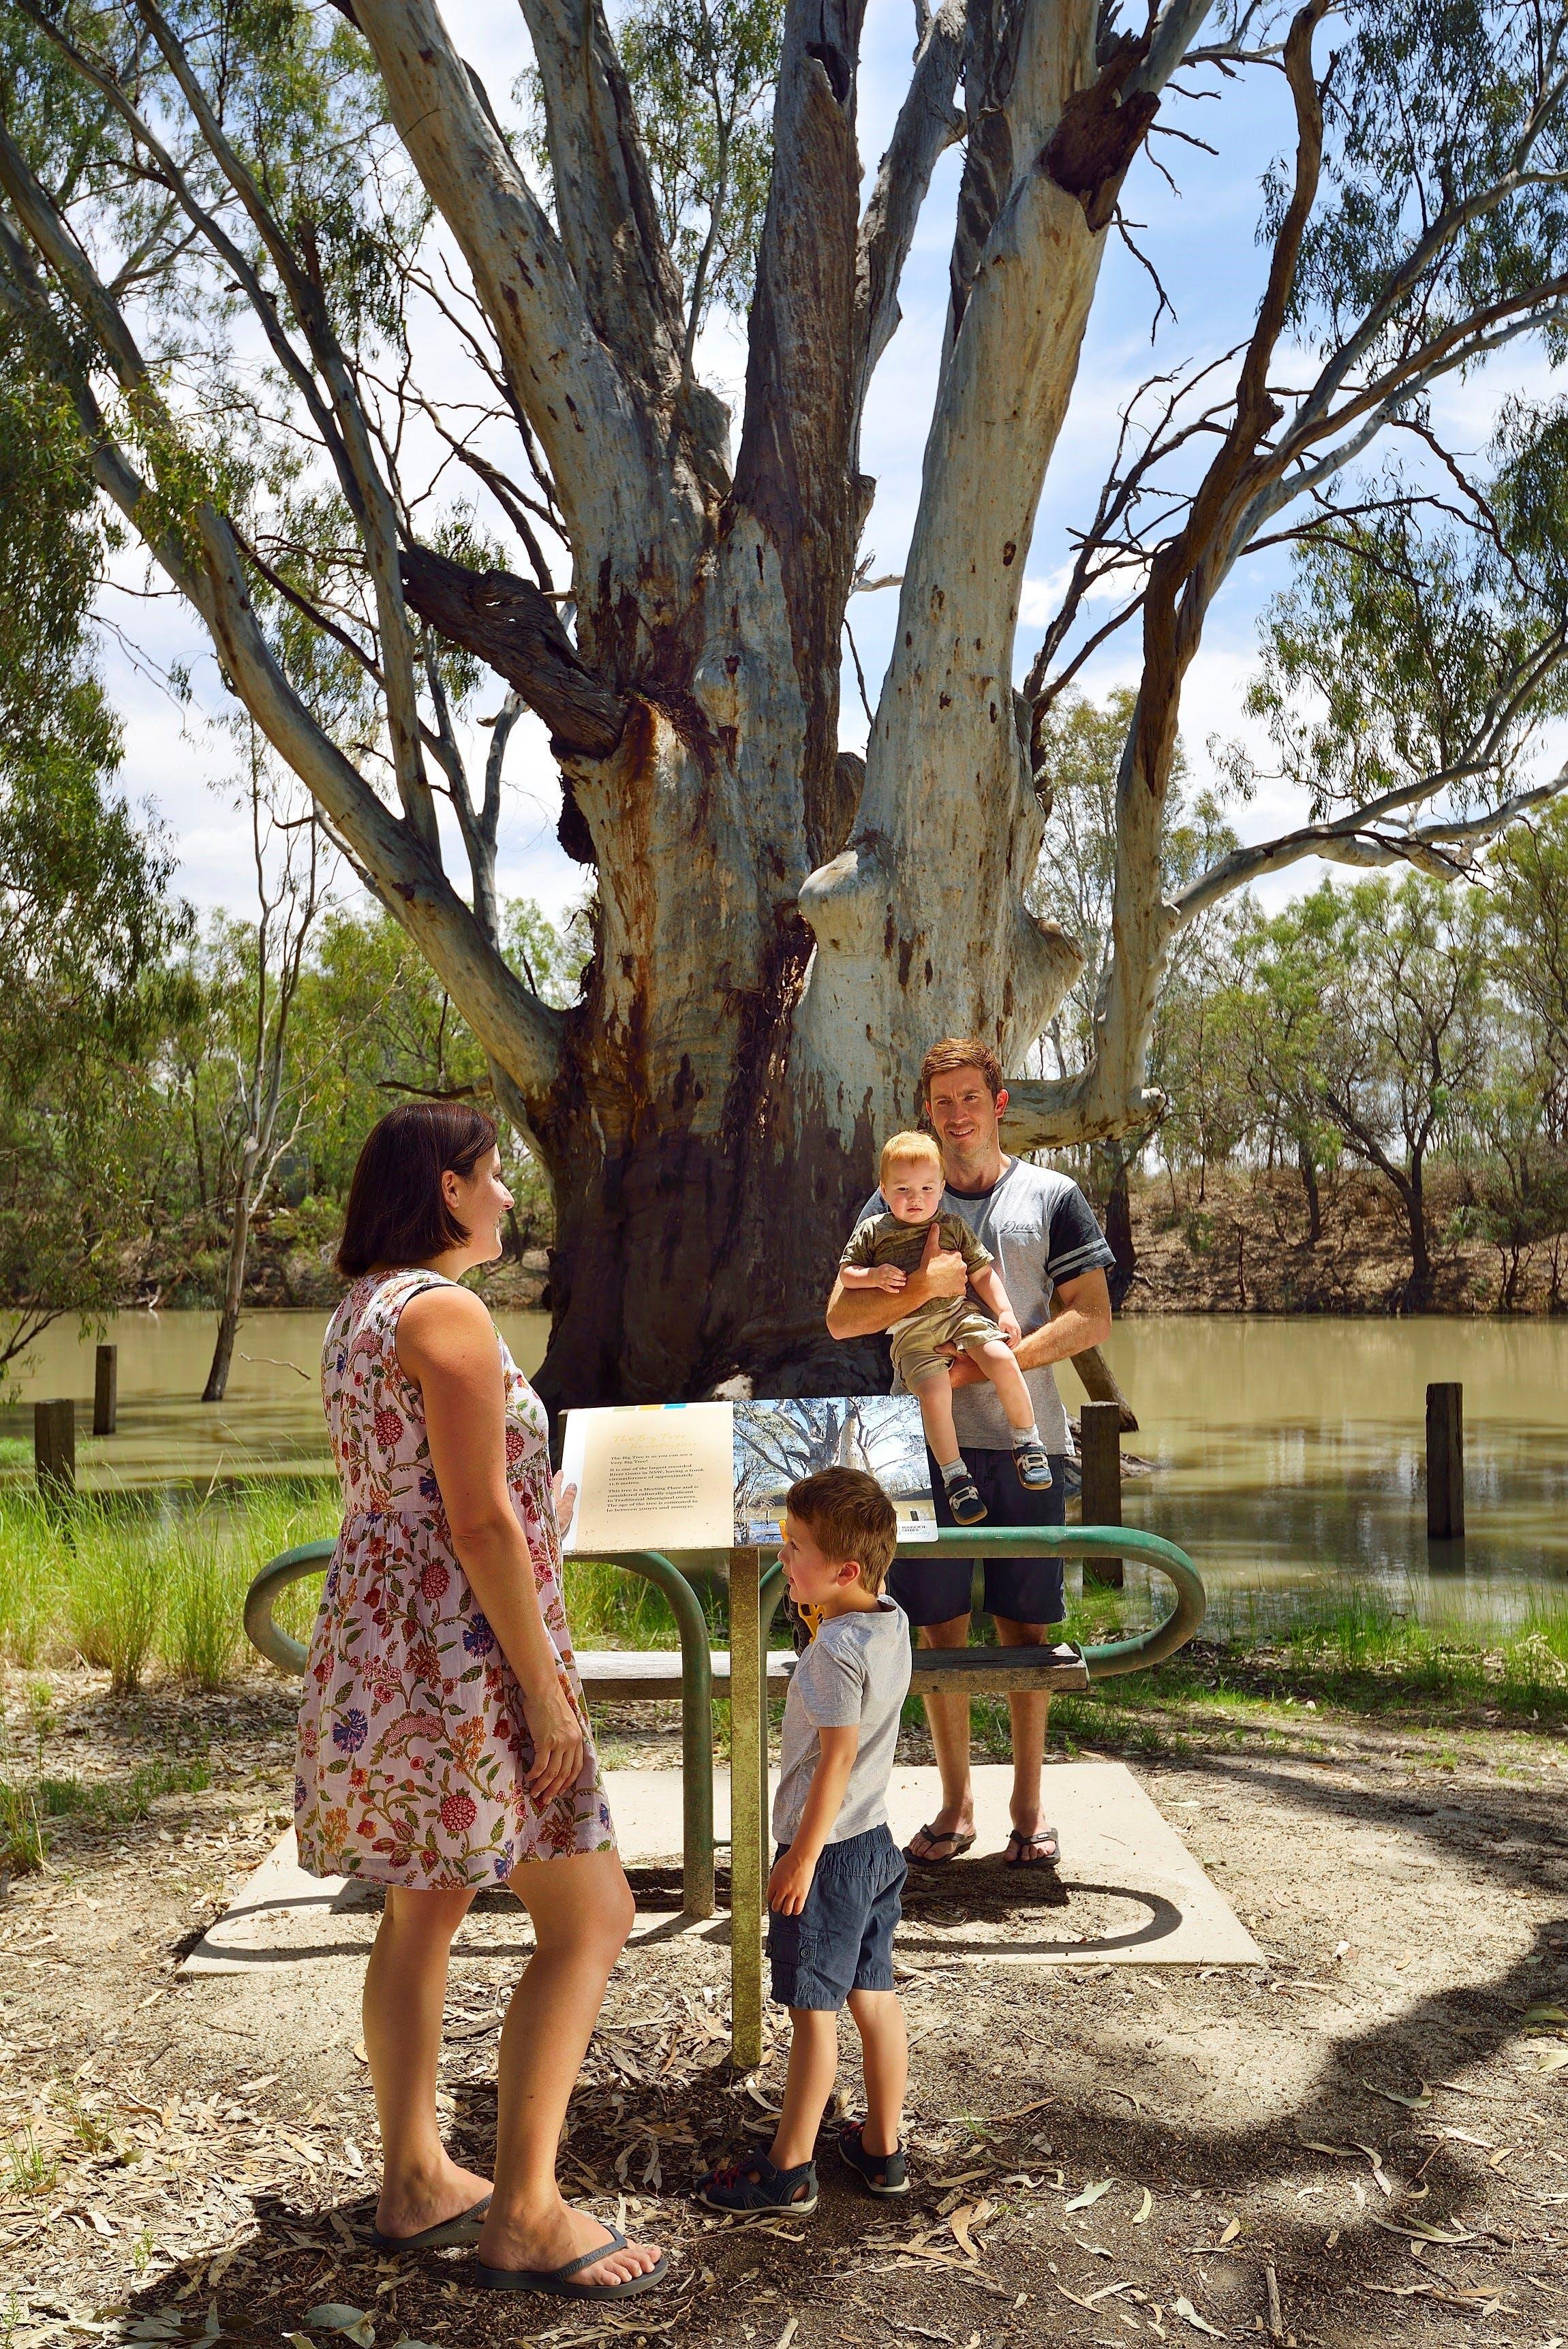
842	1939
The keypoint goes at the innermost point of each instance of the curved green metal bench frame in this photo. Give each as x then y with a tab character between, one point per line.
1116	1656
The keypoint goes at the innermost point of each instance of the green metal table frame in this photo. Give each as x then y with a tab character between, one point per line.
755	1595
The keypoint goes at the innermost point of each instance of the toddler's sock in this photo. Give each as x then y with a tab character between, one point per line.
954	1470
1022	1436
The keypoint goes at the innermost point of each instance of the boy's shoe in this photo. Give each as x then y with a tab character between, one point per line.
965	1503
886	2175
1033	1466
751	2182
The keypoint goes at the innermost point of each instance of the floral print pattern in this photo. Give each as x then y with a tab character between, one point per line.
413	1744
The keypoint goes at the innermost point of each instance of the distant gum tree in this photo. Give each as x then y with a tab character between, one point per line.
256	248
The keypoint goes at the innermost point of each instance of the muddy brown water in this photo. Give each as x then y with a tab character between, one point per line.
1285	1452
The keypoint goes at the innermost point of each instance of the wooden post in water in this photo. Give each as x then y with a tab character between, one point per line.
747	1744
1099	1462
1445	1462
105	1391
55	1448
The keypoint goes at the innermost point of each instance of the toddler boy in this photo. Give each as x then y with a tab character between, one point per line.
882	1252
833	1895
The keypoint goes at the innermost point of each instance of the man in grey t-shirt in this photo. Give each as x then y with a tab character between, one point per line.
1042	1232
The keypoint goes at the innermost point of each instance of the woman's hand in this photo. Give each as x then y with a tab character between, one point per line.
557	1733
565	1499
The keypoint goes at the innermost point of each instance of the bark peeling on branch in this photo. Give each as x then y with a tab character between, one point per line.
508	623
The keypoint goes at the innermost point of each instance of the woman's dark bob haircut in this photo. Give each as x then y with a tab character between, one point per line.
395	1212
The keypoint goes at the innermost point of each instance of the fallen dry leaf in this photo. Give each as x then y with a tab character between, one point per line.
1392	2095
1189	2315
1144	2208
1421	2230
1091	2194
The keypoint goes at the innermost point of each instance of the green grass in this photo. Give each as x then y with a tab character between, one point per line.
21	1841
609	1607
156	1592
140	1592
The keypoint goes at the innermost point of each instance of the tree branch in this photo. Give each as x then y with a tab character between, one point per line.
604	199
200	556
507	622
928	124
794	475
603	450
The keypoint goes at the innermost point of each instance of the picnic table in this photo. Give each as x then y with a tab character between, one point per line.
751	1671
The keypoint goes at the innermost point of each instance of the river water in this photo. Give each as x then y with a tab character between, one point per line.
1286	1452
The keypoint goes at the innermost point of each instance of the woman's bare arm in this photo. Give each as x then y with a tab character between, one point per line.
446	1344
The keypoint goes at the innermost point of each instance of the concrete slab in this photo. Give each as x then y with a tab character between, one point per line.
1136	1894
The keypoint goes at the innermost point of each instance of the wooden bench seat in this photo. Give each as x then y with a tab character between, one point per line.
626	1675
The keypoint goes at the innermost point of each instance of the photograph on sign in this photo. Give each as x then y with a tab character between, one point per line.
778	1443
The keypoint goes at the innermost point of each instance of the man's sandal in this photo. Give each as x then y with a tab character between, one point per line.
934	1836
1033	1464
559	2282
1040	1849
964	1503
885	2175
752	2182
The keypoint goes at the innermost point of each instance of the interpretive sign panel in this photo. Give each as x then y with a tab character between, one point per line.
654	1477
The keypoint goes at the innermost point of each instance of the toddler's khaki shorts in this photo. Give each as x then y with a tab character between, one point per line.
914	1345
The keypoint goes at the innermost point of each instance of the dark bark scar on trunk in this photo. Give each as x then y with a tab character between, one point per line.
1100	132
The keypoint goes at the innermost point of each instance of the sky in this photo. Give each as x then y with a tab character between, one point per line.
1202	240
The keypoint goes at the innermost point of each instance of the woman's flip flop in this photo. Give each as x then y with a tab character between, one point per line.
558	2280
464	2228
933	1858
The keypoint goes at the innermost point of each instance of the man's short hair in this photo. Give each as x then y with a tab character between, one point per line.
961	1052
848	1516
904	1149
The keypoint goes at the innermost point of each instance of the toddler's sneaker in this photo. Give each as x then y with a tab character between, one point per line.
753	2183
1033	1466
886	2175
964	1500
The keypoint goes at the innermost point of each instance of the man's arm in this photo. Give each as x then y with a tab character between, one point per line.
1083	1321
861	1313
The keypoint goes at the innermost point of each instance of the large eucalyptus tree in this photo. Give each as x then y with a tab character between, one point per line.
225	225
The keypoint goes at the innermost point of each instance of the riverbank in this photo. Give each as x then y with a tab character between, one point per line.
1372	2126
1244	1246
1236	1244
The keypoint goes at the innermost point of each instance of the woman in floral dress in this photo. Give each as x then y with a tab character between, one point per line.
443	1741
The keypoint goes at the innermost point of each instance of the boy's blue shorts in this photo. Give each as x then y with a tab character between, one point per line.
842	1939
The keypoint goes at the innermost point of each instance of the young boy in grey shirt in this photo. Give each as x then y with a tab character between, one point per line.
833	1895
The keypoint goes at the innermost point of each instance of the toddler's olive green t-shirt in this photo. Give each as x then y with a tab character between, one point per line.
882	1239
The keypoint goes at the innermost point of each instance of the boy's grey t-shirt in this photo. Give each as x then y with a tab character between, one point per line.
1040	1229
855	1675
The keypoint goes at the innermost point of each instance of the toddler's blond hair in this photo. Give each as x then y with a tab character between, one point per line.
904	1149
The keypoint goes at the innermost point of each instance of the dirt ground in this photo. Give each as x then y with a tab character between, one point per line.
1364	2141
